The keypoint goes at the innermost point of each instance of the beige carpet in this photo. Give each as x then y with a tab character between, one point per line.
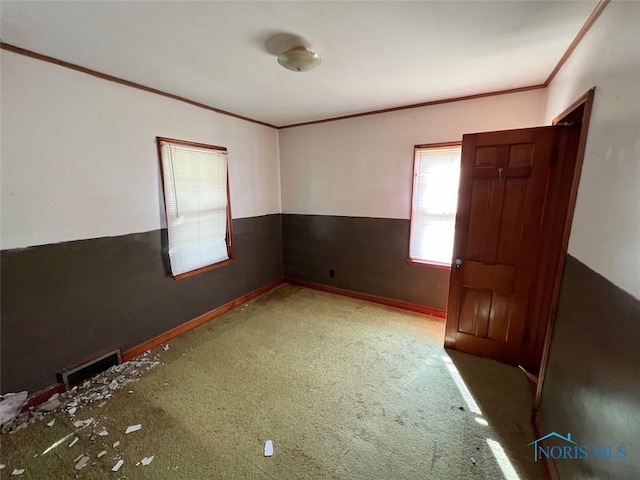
345	389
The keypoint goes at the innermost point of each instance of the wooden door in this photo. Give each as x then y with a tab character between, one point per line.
504	182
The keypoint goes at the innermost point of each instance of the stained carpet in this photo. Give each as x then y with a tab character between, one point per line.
346	389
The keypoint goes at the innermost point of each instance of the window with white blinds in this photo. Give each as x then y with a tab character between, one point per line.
196	203
435	197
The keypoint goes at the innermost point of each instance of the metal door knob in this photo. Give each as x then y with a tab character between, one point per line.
458	262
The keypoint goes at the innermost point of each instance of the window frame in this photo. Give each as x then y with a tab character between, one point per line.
229	234
412	261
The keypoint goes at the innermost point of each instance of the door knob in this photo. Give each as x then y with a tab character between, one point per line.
458	262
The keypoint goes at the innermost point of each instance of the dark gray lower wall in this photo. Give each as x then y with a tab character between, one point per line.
368	255
592	384
62	303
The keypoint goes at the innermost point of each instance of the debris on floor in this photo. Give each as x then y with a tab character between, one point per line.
147	460
2	465
17	471
473	460
117	466
50	424
84	460
103	432
165	347
133	428
102	453
74	441
96	390
83	423
51	404
10	405
116	444
268	448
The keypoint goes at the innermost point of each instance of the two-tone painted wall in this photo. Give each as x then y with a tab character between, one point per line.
83	227
83	249
592	385
346	193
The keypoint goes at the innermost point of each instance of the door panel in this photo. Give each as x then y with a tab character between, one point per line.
510	226
503	185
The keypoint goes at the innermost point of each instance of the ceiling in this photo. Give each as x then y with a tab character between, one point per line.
375	55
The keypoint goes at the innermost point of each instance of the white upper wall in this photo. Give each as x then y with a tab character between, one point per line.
363	166
79	156
605	234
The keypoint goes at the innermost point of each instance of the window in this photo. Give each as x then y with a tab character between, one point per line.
436	174
196	196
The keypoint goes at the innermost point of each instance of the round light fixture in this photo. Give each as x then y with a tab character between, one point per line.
299	59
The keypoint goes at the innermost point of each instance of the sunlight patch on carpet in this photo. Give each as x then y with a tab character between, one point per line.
503	461
462	387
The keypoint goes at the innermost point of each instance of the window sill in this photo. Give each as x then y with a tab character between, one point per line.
421	263
204	269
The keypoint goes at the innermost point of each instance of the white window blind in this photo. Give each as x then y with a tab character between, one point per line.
435	197
195	192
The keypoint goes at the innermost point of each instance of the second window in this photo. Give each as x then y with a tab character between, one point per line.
436	176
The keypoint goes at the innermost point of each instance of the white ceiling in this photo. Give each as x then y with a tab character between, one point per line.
374	54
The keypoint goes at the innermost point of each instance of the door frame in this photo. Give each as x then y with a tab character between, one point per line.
579	112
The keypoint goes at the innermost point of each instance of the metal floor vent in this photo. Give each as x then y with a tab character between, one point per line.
79	374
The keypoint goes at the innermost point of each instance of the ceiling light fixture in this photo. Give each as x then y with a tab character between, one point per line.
299	59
